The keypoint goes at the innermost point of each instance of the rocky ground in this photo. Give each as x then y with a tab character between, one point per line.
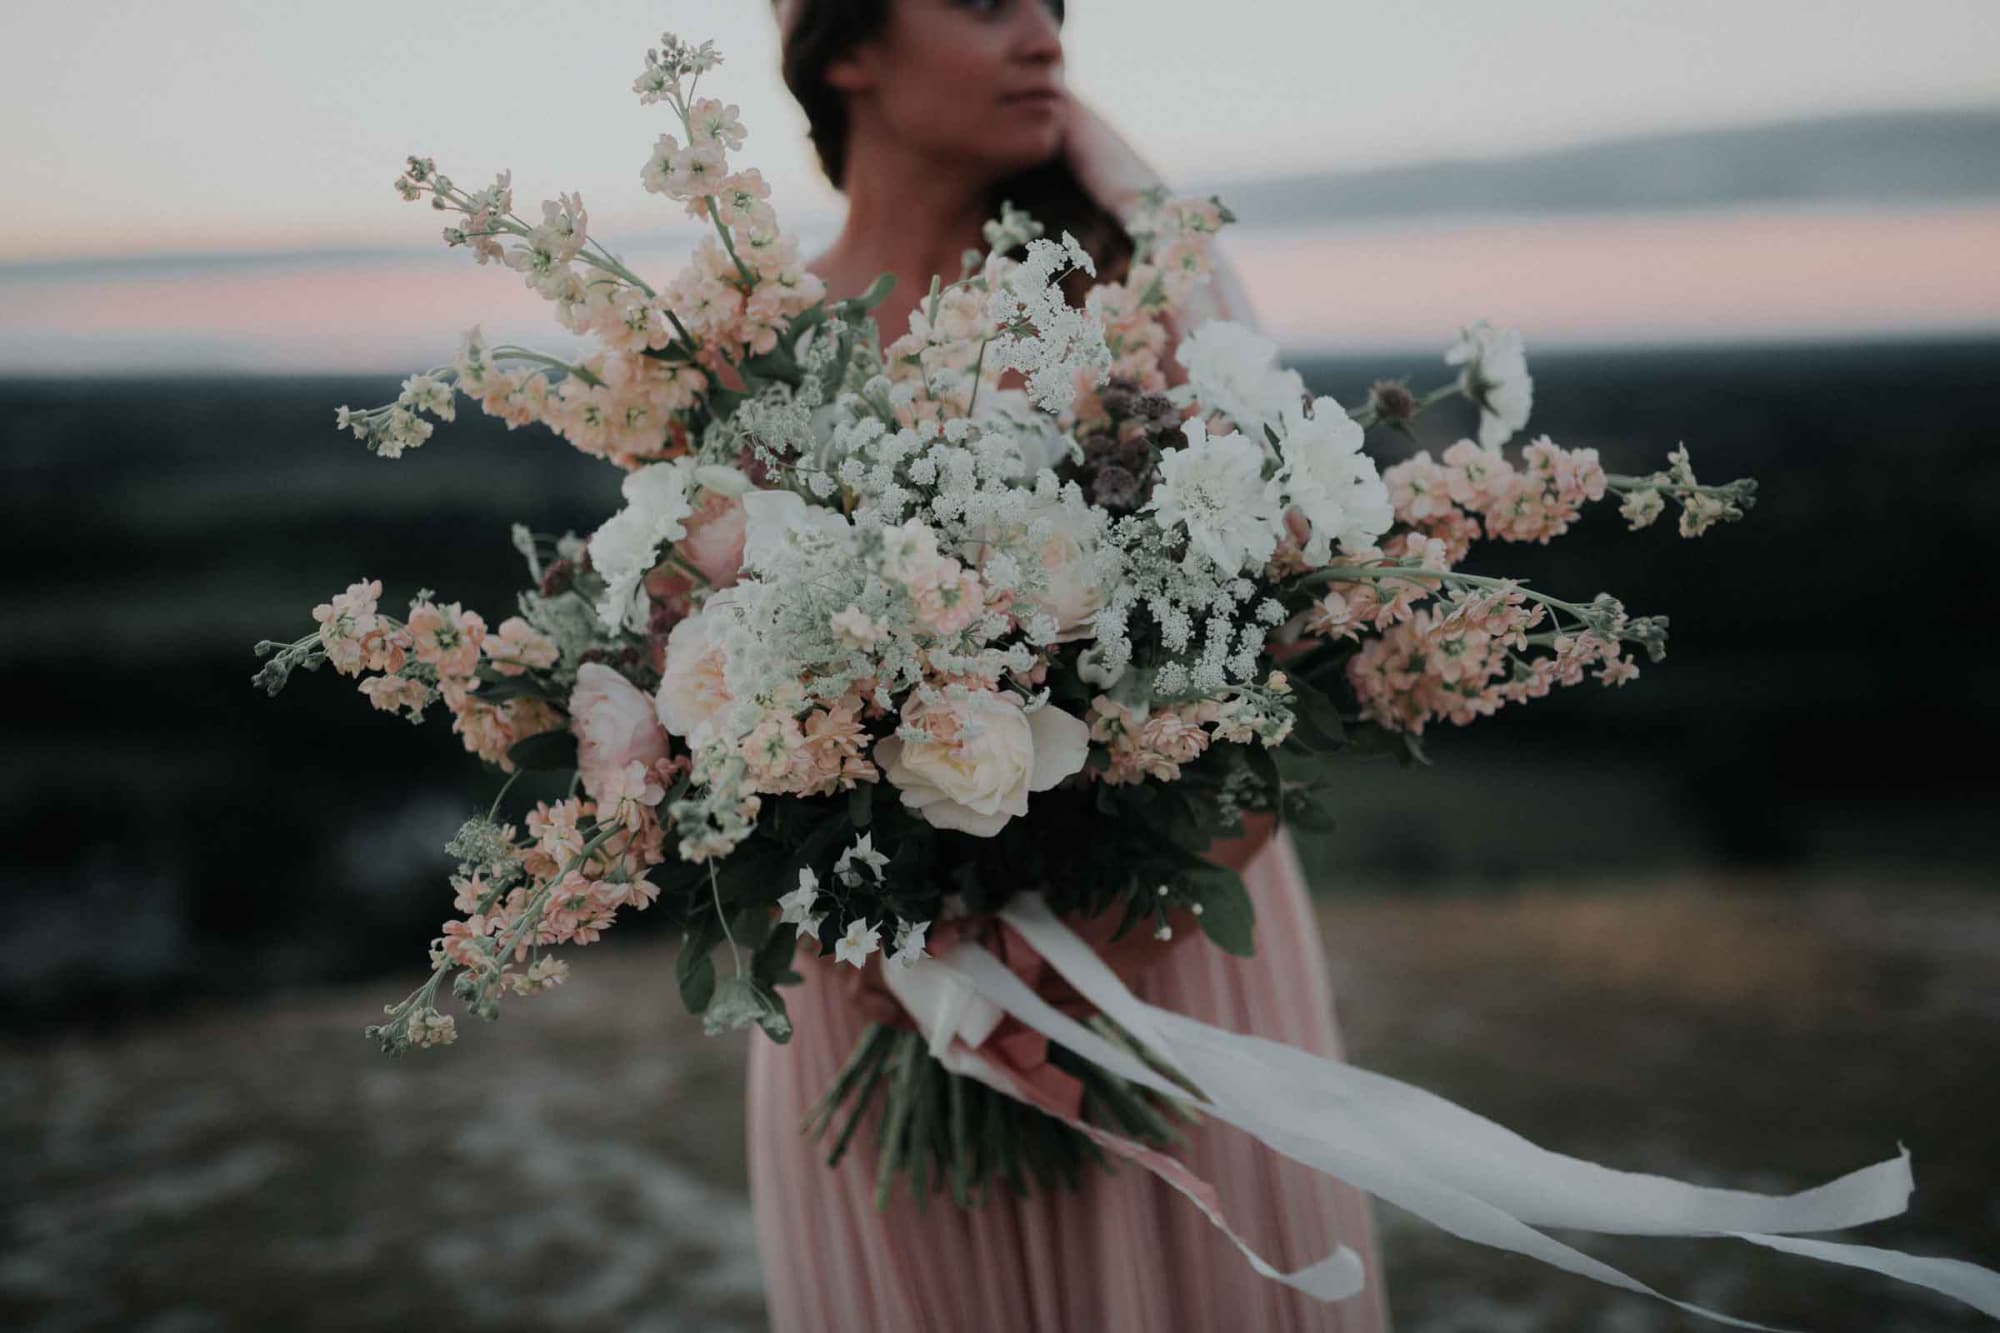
580	1164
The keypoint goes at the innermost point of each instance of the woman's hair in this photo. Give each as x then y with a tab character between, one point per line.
822	31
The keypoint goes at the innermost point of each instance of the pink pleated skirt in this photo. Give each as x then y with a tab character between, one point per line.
1123	1253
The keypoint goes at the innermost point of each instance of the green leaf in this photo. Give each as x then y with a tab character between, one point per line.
1306	810
878	292
738	1002
1227	916
1316	724
544	752
694	970
861	804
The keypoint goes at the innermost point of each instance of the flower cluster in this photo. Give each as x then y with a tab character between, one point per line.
884	626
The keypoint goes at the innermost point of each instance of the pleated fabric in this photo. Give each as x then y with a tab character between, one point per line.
1125	1253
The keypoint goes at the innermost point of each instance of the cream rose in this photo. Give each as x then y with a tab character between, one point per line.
694	688
986	753
614	724
1073	595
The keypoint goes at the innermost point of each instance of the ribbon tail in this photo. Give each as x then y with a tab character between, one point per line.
1454	1168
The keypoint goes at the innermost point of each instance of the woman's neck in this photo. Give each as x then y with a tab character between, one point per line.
907	214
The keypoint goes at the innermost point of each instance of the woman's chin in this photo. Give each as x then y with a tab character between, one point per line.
1023	146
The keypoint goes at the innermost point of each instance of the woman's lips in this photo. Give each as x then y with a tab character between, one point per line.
1033	97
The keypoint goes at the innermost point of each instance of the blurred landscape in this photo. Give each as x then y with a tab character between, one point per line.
1735	921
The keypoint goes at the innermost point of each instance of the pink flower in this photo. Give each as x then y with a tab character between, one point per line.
519	646
615	726
714	540
949	597
446	637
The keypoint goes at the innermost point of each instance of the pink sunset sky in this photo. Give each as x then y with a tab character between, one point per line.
205	185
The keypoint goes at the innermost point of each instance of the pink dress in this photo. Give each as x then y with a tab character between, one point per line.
1125	1253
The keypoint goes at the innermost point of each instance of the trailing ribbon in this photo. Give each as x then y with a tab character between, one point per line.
1457	1170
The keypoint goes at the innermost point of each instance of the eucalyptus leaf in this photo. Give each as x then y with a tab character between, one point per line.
739	1002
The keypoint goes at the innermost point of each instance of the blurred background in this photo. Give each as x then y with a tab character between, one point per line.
1736	921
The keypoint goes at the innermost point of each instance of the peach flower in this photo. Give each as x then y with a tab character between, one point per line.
614	725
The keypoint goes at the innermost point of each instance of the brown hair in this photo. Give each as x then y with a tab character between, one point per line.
822	31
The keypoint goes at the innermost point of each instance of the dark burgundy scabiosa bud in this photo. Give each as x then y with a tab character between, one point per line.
557	578
1114	487
1391	400
1100	447
1158	412
1117	395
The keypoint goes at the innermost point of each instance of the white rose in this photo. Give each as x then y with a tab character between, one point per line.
694	697
986	754
771	517
1073	595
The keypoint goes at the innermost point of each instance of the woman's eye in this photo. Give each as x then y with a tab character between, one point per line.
991	7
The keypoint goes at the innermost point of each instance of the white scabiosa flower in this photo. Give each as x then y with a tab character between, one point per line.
1214	489
1330	481
1234	371
1496	378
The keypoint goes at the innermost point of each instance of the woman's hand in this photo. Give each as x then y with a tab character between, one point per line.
1129	958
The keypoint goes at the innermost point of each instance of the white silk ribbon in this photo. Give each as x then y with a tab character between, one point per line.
1455	1169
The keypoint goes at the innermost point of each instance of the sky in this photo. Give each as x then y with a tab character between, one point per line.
205	127
132	125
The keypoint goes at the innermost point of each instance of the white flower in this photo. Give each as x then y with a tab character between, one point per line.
855	628
1073	595
1215	489
622	550
985	753
1234	371
1495	377
909	943
1331	482
863	851
770	518
694	696
795	908
860	940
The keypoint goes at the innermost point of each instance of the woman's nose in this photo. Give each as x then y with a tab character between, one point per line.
1040	38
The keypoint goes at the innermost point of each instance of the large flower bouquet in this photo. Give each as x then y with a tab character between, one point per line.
902	653
879	640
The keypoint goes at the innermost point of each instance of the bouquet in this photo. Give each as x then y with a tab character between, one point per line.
901	654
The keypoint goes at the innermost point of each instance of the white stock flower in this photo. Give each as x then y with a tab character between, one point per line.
1496	378
622	550
1214	488
1332	483
909	942
863	851
985	754
1234	371
795	908
860	940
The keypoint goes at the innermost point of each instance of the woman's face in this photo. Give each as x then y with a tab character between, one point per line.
977	80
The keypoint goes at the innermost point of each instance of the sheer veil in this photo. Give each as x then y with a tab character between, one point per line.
1114	173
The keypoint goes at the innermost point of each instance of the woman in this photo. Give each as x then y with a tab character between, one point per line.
925	113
